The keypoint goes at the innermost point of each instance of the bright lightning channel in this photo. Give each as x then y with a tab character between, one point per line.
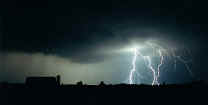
133	66
148	62
132	71
161	63
153	71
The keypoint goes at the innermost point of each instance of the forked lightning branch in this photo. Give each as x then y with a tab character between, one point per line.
161	53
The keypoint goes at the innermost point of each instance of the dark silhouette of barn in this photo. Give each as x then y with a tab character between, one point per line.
43	81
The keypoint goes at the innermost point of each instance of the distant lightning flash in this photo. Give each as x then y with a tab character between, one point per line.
149	63
185	62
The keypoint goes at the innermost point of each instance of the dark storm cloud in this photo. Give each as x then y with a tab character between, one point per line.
80	39
90	46
86	33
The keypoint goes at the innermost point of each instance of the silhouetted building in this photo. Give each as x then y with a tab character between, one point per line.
43	81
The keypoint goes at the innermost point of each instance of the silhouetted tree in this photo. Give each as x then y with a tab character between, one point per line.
164	84
58	79
79	83
102	83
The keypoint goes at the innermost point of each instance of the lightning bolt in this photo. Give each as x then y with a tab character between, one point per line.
153	70
161	63
133	66
148	62
148	59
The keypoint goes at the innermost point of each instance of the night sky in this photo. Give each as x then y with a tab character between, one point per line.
83	40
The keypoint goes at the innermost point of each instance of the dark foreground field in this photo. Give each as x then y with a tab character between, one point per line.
20	94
